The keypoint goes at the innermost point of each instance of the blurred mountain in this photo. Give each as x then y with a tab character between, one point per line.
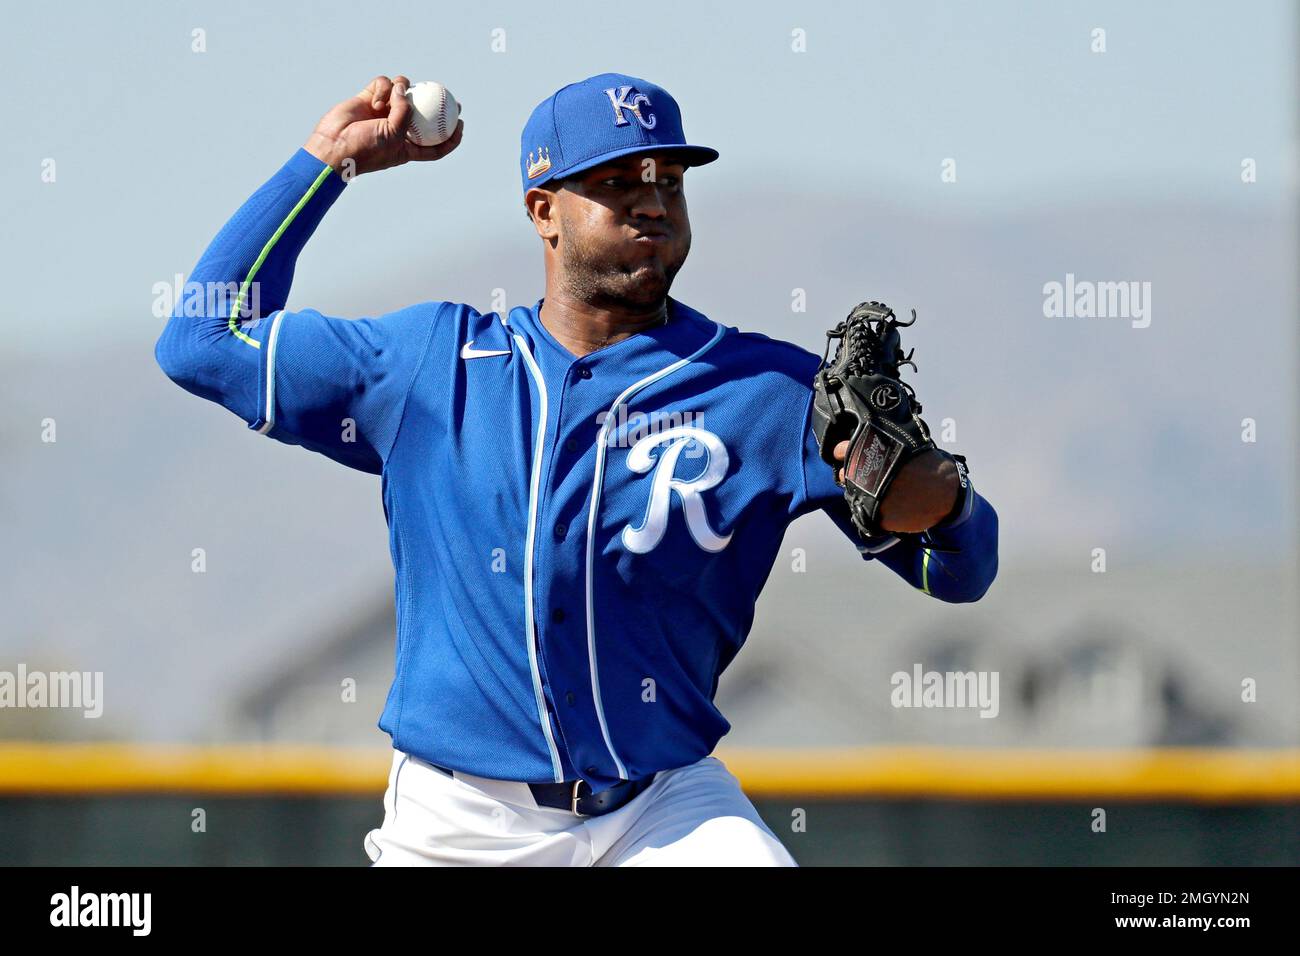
1084	433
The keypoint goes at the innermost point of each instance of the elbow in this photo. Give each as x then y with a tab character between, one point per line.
163	356
206	370
172	356
970	589
981	565
978	584
985	571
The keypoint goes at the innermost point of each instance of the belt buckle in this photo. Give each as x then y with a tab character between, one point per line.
573	805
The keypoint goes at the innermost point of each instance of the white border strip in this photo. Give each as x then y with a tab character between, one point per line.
530	622
610	418
268	415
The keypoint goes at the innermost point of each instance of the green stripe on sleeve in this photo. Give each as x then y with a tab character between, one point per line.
266	251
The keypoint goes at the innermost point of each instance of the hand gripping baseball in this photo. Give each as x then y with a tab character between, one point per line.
866	418
367	132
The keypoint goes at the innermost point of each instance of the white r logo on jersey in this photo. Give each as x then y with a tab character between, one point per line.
664	484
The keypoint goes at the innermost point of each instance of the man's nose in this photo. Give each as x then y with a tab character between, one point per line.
649	202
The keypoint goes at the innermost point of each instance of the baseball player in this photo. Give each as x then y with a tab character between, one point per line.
584	495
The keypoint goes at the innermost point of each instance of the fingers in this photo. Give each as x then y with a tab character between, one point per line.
387	97
839	454
425	153
376	93
379	91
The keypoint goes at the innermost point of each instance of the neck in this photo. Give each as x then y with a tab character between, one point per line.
583	328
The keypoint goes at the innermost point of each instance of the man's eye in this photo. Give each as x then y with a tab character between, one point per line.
674	182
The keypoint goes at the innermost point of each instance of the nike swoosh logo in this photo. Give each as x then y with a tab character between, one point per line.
470	353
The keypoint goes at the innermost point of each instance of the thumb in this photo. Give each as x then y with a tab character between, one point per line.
399	107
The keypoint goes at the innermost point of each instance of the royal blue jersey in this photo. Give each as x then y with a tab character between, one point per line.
579	542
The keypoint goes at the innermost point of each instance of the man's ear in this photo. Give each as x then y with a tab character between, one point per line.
540	205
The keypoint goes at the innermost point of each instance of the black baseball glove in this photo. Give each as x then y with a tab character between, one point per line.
859	398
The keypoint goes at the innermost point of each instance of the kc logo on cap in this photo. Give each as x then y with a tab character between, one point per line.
603	117
621	103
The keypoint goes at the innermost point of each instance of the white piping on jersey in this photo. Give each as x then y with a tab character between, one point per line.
610	418
889	542
268	416
530	623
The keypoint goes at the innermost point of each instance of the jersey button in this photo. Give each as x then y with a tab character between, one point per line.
591	771
569	698
561	530
558	615
571	444
584	372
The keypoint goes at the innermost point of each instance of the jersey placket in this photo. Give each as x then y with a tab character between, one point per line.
569	500
558	593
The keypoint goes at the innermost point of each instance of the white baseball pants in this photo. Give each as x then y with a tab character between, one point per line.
690	816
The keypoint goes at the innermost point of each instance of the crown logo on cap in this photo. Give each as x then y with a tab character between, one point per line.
541	164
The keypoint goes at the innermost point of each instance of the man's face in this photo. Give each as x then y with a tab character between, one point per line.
623	228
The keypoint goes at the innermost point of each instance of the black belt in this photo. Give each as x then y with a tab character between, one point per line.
576	796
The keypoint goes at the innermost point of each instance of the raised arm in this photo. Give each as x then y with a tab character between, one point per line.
326	383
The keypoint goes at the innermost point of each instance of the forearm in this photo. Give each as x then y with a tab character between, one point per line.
244	274
963	561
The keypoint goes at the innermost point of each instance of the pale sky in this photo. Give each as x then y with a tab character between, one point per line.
155	145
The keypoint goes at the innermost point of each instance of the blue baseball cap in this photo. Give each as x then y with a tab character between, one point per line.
598	119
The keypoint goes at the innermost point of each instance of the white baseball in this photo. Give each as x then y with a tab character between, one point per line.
434	112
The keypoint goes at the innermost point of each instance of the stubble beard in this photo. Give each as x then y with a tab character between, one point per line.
594	275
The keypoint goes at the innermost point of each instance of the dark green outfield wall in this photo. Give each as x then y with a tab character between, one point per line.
152	830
